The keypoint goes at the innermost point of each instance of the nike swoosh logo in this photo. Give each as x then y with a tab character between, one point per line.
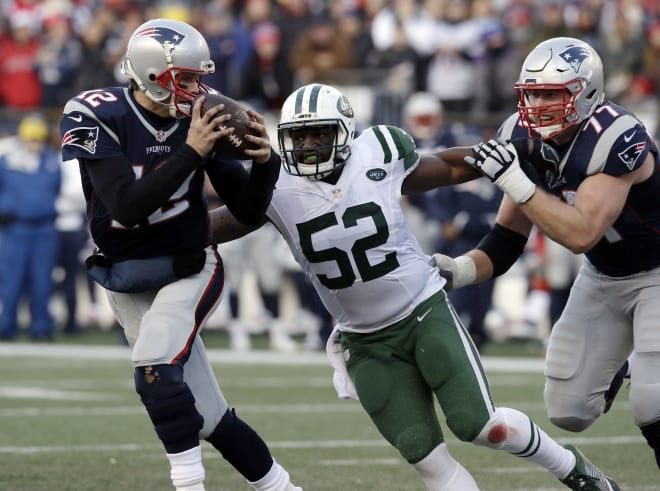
420	318
77	119
627	138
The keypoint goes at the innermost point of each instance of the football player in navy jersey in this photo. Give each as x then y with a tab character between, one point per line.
601	197
143	152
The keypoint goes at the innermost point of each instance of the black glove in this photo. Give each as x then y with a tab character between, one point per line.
541	165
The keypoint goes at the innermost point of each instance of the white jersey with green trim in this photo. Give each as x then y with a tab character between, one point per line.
351	238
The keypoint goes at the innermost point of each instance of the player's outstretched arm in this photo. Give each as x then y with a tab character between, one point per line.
225	227
440	169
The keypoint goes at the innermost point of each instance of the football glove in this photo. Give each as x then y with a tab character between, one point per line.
458	272
499	162
541	164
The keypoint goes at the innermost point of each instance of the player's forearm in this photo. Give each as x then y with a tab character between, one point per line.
563	223
439	169
132	200
260	189
225	227
459	170
483	265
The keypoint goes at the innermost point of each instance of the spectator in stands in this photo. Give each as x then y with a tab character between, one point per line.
104	39
20	87
266	80
29	185
58	60
424	120
319	54
458	43
217	28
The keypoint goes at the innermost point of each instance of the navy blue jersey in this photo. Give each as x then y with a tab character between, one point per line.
107	123
615	142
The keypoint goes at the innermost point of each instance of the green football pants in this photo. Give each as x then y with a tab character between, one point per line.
397	370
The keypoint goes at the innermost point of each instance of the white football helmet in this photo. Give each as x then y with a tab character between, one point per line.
560	64
316	105
158	53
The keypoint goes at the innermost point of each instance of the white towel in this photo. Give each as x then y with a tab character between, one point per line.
340	379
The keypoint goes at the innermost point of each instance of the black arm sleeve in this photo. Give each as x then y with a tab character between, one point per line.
503	246
130	200
247	195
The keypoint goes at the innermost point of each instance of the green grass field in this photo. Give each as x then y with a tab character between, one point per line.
71	421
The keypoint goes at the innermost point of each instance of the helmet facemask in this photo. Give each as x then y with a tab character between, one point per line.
318	161
180	99
569	66
563	113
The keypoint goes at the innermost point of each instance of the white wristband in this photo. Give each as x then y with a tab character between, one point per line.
516	184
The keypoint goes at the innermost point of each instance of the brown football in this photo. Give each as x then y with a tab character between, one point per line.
234	145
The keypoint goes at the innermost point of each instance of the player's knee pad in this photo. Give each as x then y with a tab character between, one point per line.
416	441
495	431
241	446
413	436
652	434
572	413
509	430
570	423
644	388
171	406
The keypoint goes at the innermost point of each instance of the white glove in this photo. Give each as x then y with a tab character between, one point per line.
499	162
458	272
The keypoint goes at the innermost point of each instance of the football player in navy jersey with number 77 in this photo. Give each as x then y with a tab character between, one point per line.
143	152
601	199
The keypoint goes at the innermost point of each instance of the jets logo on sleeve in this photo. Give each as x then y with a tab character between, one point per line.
83	137
630	155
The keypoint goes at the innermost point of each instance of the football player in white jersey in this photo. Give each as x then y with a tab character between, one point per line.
338	206
603	200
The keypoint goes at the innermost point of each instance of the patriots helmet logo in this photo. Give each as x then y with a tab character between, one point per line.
164	35
575	56
82	137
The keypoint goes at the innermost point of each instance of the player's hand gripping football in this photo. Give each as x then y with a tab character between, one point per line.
206	129
499	162
260	154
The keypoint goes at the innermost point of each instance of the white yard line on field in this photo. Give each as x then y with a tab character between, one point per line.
255	357
291	445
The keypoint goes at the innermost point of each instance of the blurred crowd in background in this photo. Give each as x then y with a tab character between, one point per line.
442	69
